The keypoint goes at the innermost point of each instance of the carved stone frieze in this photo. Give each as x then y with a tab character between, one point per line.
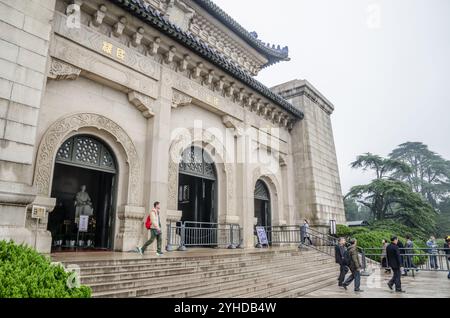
60	70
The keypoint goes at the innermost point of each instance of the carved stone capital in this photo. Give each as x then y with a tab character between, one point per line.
119	27
168	57
231	122
180	99
99	15
154	46
137	37
142	102
60	70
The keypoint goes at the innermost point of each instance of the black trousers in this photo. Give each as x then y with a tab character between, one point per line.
342	272
307	238
396	279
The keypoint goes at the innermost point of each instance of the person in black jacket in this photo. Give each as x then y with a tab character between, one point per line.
395	262
339	253
447	251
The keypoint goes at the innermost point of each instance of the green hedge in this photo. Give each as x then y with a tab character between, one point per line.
24	273
368	238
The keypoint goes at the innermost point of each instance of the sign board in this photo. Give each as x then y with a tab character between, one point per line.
38	212
84	223
262	235
333	227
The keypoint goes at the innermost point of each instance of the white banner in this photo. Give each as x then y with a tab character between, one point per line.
84	223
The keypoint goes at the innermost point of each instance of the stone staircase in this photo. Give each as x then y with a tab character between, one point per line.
278	272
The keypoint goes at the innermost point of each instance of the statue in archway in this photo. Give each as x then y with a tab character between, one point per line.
83	204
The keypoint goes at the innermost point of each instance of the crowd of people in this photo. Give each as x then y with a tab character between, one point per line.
396	258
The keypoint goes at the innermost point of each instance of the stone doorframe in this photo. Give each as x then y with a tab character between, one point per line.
133	212
216	150
274	188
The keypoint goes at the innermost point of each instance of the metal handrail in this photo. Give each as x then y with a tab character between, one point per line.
415	259
183	234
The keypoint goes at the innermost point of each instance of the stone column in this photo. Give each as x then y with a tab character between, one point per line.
157	159
245	189
24	42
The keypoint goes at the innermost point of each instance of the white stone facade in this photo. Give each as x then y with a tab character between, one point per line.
140	92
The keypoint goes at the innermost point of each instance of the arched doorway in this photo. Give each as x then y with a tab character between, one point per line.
262	204
197	186
84	182
197	196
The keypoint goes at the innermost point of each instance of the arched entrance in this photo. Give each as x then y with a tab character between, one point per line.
84	182
197	197
262	204
197	187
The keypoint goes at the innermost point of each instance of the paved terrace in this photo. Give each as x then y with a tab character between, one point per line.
423	285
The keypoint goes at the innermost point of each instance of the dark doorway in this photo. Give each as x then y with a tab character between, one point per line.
262	207
197	197
83	161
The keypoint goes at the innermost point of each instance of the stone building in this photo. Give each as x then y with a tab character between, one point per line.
136	101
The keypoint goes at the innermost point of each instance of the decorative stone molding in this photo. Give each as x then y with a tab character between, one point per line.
180	99
60	70
57	134
172	58
142	102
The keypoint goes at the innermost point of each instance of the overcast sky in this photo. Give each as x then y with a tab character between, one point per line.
384	64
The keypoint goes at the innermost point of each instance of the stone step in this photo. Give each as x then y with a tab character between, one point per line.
241	286
179	257
324	274
90	279
304	290
291	279
201	279
86	271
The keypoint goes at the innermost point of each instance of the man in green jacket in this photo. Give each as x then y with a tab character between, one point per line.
355	267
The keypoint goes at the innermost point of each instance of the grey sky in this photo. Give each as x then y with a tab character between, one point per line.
384	64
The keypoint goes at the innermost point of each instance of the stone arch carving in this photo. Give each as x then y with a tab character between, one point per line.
57	134
209	142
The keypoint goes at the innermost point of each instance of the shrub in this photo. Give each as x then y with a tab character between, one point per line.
345	231
398	229
24	273
371	240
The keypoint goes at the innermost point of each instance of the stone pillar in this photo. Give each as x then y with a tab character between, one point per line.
315	168
245	189
158	142
24	42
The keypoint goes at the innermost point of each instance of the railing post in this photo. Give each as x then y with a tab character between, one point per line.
231	245
169	247
182	247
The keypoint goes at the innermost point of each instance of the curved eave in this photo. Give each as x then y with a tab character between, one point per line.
156	20
272	53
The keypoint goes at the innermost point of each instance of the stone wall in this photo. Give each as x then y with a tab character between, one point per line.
316	175
25	30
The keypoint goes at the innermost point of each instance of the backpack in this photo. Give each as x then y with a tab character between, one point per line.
347	258
148	223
